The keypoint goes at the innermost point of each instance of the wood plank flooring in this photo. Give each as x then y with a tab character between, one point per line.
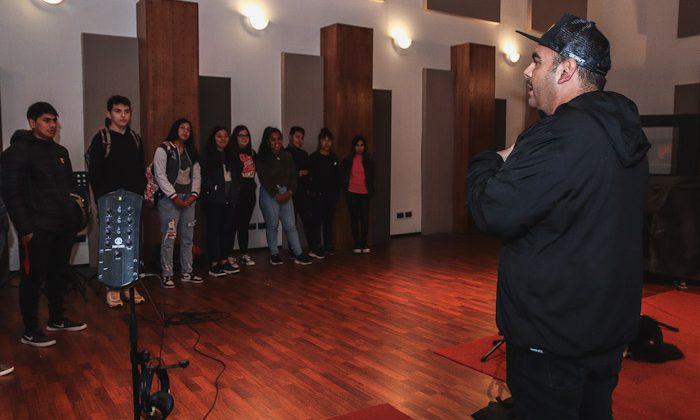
311	342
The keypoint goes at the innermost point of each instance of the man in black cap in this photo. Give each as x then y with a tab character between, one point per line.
567	200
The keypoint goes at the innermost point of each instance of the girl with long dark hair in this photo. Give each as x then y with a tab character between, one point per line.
324	177
177	173
220	185
279	182
357	169
244	165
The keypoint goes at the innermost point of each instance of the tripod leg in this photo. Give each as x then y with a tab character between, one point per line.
495	347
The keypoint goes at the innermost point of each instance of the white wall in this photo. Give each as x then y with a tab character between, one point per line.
40	59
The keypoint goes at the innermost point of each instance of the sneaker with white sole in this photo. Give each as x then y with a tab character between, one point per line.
275	259
302	259
190	278
113	299
216	271
319	255
65	325
366	250
137	296
167	282
247	260
37	338
357	250
230	268
6	369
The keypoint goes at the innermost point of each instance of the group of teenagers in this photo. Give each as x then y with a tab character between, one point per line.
38	183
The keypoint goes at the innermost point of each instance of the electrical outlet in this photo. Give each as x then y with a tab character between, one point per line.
409	214
261	225
399	215
252	226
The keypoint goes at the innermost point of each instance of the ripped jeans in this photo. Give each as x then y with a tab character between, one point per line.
174	221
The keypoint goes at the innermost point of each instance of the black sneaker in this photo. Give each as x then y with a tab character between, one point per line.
275	259
66	325
329	251
216	271
302	259
230	268
37	338
319	255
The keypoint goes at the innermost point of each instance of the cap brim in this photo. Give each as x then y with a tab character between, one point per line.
532	37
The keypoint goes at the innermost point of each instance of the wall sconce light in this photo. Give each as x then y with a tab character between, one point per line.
256	17
401	39
511	55
53	2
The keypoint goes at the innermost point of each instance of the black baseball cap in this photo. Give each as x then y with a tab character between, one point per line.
579	39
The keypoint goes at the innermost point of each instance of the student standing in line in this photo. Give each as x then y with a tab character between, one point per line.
220	185
357	171
244	164
302	201
324	173
279	183
115	161
177	172
37	182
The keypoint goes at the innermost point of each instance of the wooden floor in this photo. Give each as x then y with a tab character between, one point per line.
311	342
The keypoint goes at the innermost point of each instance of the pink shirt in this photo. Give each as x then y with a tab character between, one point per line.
357	183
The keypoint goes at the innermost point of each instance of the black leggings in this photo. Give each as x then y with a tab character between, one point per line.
219	231
242	213
358	204
323	206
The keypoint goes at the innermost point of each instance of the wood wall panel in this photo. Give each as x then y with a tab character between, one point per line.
347	97
544	13
474	70
168	38
477	9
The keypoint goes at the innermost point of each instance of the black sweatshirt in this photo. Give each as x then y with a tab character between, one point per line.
568	205
324	172
124	167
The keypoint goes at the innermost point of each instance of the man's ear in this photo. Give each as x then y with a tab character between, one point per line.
32	123
568	69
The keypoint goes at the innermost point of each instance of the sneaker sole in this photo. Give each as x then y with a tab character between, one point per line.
302	262
232	272
168	286
318	257
218	274
43	344
115	305
78	328
7	371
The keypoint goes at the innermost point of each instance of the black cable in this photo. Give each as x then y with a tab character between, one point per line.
188	319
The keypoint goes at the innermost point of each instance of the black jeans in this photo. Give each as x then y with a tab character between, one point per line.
545	386
303	210
241	216
219	232
358	204
323	211
43	259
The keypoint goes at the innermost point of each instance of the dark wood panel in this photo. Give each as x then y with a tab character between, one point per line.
474	70
168	35
478	9
544	13
380	212
347	97
688	18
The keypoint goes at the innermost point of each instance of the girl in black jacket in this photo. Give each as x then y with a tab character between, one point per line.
244	165
357	171
220	185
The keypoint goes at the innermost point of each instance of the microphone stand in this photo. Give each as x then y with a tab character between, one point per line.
136	356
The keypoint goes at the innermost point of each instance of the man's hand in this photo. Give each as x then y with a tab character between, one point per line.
506	152
28	237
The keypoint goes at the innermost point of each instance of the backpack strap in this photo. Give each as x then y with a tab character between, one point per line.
106	141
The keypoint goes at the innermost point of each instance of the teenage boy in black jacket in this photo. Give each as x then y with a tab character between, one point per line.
115	161
302	201
37	180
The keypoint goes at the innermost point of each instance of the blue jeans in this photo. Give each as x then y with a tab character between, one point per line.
274	212
174	221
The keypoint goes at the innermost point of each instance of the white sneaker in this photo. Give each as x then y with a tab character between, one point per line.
167	282
246	260
6	369
366	250
113	299
190	278
357	250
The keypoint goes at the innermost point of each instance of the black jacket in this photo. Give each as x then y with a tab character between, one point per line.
346	168
214	183
568	206
324	171
301	162
37	180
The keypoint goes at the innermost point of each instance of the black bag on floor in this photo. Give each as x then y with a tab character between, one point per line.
649	345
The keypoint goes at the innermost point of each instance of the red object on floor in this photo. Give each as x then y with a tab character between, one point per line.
666	391
377	412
